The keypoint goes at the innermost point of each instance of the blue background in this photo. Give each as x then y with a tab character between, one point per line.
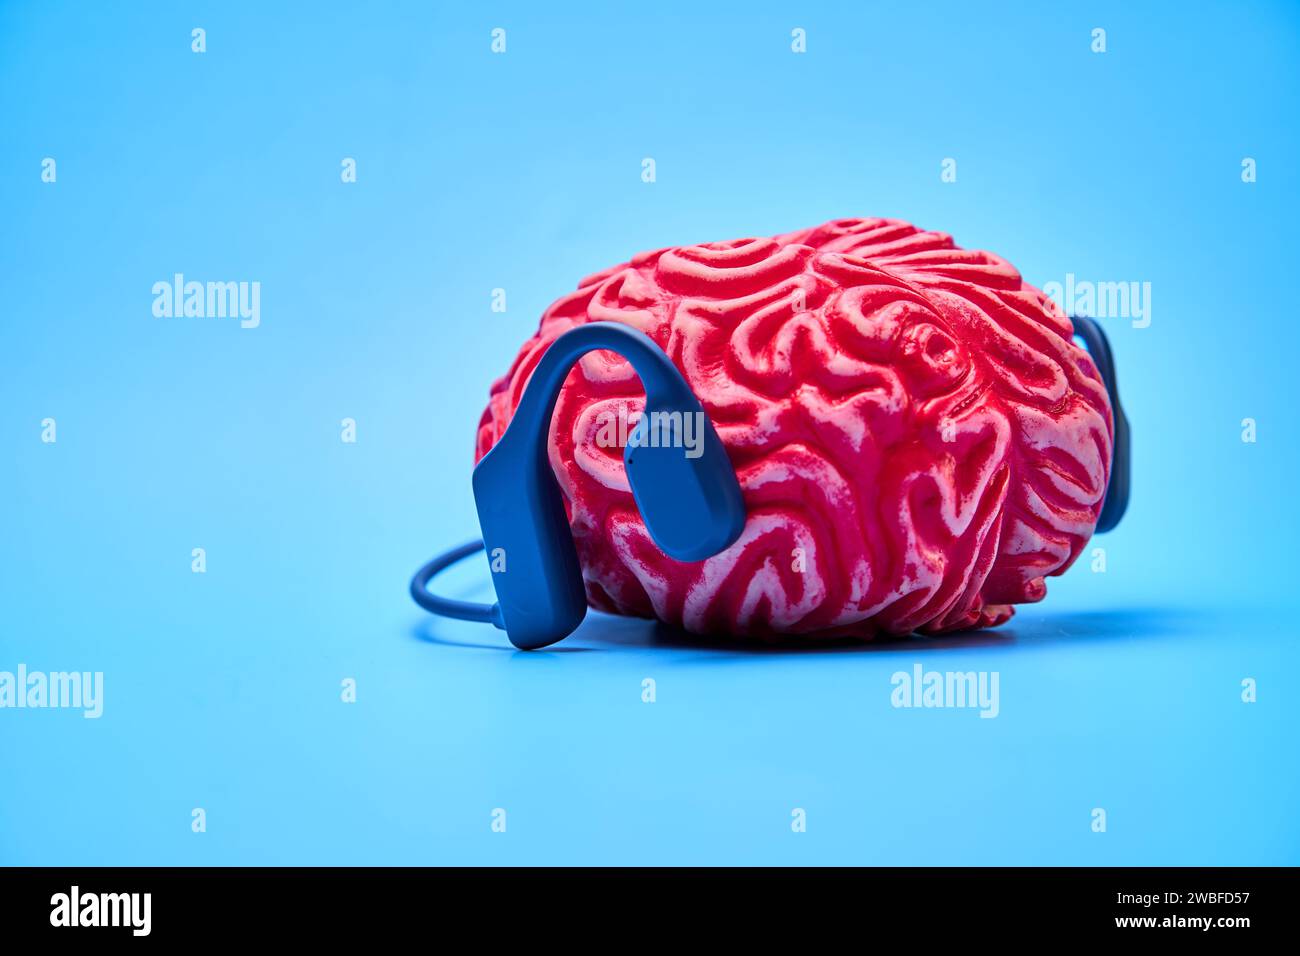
522	171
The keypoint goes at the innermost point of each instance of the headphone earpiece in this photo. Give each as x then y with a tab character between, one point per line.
540	594
682	480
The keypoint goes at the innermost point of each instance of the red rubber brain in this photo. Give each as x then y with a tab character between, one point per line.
918	439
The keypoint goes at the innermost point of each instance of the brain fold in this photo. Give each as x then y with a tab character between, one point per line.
918	439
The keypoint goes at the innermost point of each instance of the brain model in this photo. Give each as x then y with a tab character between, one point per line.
918	439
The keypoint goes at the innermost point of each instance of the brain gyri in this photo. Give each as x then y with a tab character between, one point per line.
918	439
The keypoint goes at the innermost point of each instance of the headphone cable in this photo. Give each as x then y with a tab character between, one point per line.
446	607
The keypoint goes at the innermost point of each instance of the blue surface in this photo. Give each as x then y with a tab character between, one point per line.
522	171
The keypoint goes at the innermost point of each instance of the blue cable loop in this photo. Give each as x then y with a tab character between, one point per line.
446	607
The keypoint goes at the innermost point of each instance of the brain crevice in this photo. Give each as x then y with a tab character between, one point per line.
918	439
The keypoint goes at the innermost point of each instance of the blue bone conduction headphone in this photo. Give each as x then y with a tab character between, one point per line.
692	507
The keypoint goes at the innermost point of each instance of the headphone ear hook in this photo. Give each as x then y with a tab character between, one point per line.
1117	490
687	492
